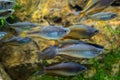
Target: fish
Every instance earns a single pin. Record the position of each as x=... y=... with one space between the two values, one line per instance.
x=26 y=25
x=45 y=32
x=25 y=40
x=48 y=53
x=50 y=32
x=71 y=41
x=18 y=39
x=2 y=35
x=103 y=16
x=7 y=4
x=116 y=3
x=81 y=31
x=64 y=69
x=72 y=48
x=95 y=6
x=6 y=13
x=81 y=50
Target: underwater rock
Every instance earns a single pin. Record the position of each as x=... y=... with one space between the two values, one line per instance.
x=28 y=69
x=3 y=73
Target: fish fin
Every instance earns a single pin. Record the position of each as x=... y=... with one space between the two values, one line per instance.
x=48 y=53
x=38 y=73
x=81 y=14
x=23 y=40
x=10 y=40
x=41 y=72
x=63 y=46
x=20 y=32
x=14 y=38
x=96 y=45
x=7 y=23
x=77 y=13
x=39 y=55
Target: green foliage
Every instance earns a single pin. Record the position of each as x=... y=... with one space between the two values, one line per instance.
x=2 y=23
x=108 y=27
x=17 y=6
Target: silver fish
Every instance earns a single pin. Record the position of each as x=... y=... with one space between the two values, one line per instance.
x=24 y=24
x=65 y=69
x=2 y=35
x=71 y=42
x=116 y=3
x=24 y=40
x=95 y=6
x=103 y=16
x=6 y=13
x=18 y=39
x=74 y=48
x=7 y=4
x=81 y=50
x=51 y=32
x=81 y=31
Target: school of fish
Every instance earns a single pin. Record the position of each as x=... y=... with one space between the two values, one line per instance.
x=69 y=43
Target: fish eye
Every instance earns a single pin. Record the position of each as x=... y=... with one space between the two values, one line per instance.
x=8 y=2
x=65 y=30
x=98 y=51
x=92 y=26
x=9 y=11
x=96 y=31
x=114 y=15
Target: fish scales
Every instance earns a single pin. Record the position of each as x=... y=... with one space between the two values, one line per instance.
x=65 y=69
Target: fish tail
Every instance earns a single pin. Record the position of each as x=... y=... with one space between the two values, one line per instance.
x=6 y=23
x=39 y=56
x=20 y=32
x=81 y=14
x=41 y=72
